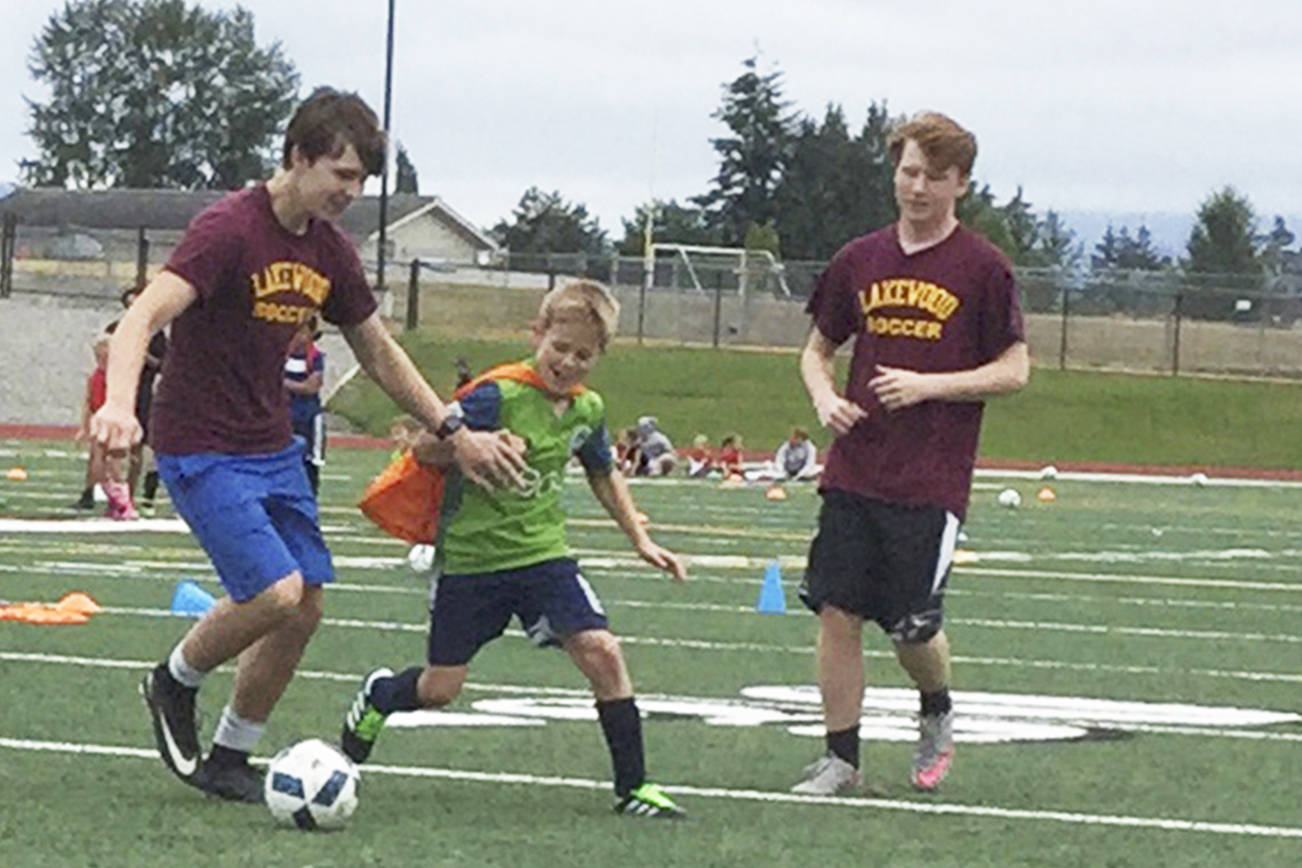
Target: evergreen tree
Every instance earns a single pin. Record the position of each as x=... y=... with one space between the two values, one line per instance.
x=1223 y=238
x=1117 y=250
x=977 y=210
x=406 y=181
x=546 y=223
x=753 y=157
x=155 y=93
x=671 y=223
x=834 y=188
x=1057 y=245
x=1023 y=228
x=1275 y=244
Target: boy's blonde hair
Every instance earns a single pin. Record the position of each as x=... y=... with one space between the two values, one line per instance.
x=580 y=299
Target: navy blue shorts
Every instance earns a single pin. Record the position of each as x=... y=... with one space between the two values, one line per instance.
x=886 y=562
x=551 y=599
x=254 y=515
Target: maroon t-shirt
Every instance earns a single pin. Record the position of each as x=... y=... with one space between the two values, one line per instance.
x=950 y=307
x=221 y=388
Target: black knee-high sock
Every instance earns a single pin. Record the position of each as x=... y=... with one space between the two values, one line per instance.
x=397 y=693
x=151 y=486
x=844 y=743
x=935 y=703
x=622 y=725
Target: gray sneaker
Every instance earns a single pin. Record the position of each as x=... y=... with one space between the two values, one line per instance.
x=829 y=775
x=935 y=751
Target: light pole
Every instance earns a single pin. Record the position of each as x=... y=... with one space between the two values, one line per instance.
x=384 y=173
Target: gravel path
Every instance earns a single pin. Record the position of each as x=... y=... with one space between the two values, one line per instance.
x=45 y=357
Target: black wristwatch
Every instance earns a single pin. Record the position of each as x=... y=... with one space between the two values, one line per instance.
x=450 y=425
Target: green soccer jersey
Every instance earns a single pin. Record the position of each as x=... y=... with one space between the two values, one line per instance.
x=482 y=531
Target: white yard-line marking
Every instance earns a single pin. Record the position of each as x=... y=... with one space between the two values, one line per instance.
x=805 y=649
x=744 y=795
x=1228 y=605
x=1135 y=478
x=1236 y=584
x=874 y=694
x=1095 y=629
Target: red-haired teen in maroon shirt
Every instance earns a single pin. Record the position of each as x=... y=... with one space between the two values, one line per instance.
x=932 y=310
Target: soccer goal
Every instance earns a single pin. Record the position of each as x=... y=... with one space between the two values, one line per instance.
x=704 y=268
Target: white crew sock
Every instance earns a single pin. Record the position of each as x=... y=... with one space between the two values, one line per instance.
x=181 y=670
x=236 y=733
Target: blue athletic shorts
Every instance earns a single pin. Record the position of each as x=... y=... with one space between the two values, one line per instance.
x=551 y=599
x=254 y=515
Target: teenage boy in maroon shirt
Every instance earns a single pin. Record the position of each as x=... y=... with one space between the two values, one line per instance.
x=251 y=269
x=933 y=311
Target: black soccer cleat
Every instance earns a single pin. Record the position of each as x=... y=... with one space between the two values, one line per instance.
x=234 y=782
x=363 y=721
x=171 y=706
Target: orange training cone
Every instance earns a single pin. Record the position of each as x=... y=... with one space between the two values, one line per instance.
x=17 y=474
x=79 y=602
x=1046 y=495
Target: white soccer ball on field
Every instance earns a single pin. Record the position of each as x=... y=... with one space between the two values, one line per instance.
x=1010 y=498
x=1048 y=472
x=312 y=785
x=421 y=557
x=1198 y=479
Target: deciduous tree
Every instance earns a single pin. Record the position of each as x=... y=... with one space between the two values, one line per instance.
x=155 y=93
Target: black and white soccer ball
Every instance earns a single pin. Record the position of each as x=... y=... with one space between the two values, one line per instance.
x=312 y=785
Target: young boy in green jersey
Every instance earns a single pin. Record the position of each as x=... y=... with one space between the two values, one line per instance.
x=503 y=553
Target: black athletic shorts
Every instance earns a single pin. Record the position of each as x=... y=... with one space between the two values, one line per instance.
x=551 y=599
x=886 y=562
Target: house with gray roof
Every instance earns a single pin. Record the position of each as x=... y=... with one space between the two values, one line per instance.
x=105 y=226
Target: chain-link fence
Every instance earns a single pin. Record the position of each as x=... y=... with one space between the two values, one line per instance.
x=1124 y=320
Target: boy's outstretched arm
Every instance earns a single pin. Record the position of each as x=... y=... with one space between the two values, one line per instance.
x=484 y=458
x=612 y=492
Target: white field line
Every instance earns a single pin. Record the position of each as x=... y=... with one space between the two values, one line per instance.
x=600 y=561
x=745 y=795
x=1136 y=479
x=598 y=565
x=1039 y=626
x=1226 y=605
x=133 y=568
x=573 y=692
x=807 y=649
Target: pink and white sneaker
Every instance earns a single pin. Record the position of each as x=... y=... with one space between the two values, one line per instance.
x=935 y=751
x=120 y=507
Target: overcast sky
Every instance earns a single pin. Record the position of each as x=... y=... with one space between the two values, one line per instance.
x=1111 y=105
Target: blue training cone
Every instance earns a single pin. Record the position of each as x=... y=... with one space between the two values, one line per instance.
x=191 y=600
x=772 y=600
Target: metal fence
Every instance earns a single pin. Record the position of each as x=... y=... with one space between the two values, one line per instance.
x=1243 y=325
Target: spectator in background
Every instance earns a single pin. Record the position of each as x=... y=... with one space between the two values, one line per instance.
x=729 y=457
x=304 y=377
x=464 y=374
x=656 y=455
x=700 y=458
x=142 y=455
x=92 y=400
x=102 y=468
x=796 y=458
x=626 y=452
